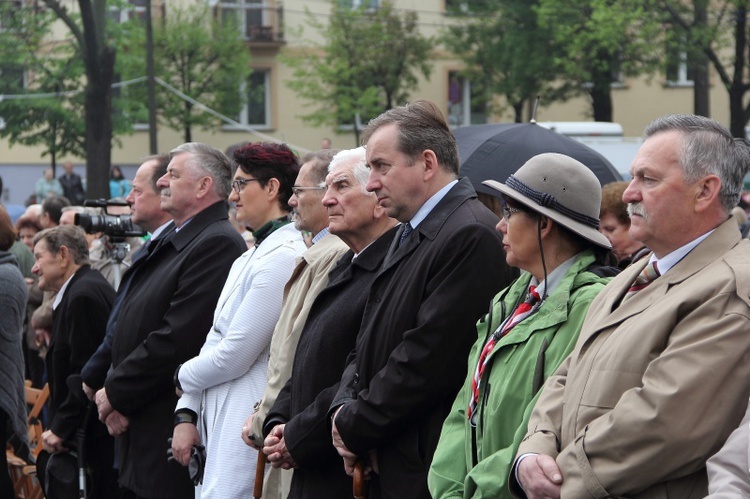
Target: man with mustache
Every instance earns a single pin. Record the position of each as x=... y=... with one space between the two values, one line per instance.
x=658 y=378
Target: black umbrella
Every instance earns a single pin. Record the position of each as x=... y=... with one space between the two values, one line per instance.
x=495 y=151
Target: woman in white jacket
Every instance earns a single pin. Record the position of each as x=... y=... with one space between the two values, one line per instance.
x=221 y=383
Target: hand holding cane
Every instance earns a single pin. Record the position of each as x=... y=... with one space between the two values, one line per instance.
x=358 y=480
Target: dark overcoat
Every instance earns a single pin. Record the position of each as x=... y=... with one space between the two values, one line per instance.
x=417 y=330
x=79 y=323
x=163 y=321
x=326 y=340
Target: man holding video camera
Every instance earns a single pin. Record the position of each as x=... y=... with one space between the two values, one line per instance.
x=163 y=320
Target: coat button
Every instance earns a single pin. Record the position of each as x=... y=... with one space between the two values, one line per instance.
x=356 y=378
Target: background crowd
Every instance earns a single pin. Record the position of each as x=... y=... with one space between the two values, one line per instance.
x=362 y=311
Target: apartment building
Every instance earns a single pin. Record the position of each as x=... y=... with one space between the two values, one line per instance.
x=272 y=27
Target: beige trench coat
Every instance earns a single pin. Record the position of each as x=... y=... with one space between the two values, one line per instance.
x=655 y=386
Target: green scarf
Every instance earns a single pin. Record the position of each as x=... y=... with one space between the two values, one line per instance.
x=269 y=228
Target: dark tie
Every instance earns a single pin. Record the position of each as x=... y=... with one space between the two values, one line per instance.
x=520 y=313
x=649 y=273
x=405 y=233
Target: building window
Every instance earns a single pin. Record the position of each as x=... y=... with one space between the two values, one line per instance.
x=250 y=15
x=256 y=112
x=135 y=9
x=355 y=4
x=679 y=70
x=467 y=104
x=466 y=7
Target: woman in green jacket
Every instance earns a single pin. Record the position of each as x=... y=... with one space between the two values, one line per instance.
x=549 y=227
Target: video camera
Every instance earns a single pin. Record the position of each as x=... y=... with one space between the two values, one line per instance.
x=116 y=227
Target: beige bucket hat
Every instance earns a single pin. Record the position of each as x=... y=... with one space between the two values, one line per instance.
x=561 y=188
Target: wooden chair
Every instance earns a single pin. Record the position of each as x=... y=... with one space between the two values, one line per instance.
x=22 y=473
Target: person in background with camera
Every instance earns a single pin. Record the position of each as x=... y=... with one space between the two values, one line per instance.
x=145 y=205
x=81 y=308
x=164 y=316
x=109 y=249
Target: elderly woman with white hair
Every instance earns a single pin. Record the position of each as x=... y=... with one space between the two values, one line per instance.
x=549 y=228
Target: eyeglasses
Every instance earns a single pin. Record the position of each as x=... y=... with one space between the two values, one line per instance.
x=239 y=184
x=509 y=210
x=298 y=189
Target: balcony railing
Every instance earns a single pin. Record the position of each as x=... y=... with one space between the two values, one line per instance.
x=261 y=22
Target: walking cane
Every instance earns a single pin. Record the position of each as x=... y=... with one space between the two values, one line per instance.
x=260 y=469
x=358 y=480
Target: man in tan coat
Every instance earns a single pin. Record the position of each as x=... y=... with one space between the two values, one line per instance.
x=309 y=277
x=658 y=378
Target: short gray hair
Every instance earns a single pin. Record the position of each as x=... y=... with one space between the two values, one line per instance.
x=70 y=236
x=320 y=161
x=358 y=161
x=211 y=161
x=708 y=148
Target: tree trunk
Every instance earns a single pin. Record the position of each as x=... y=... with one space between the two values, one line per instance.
x=187 y=132
x=699 y=61
x=98 y=98
x=737 y=117
x=601 y=95
x=99 y=61
x=518 y=111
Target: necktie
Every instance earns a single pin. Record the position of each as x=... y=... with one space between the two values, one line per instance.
x=405 y=233
x=649 y=273
x=520 y=313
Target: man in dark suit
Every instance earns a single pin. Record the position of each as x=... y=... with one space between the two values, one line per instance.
x=80 y=311
x=145 y=206
x=445 y=264
x=164 y=317
x=72 y=185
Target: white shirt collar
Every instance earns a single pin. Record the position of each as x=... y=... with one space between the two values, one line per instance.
x=428 y=206
x=671 y=259
x=61 y=293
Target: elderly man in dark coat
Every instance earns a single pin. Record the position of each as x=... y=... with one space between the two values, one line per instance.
x=80 y=312
x=299 y=435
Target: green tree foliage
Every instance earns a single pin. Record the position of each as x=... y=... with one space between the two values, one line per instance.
x=203 y=58
x=52 y=122
x=504 y=49
x=722 y=38
x=66 y=80
x=602 y=41
x=369 y=62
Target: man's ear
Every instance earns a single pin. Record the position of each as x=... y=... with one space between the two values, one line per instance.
x=707 y=190
x=205 y=184
x=431 y=165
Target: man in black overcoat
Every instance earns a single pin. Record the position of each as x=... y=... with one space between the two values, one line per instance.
x=445 y=264
x=164 y=317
